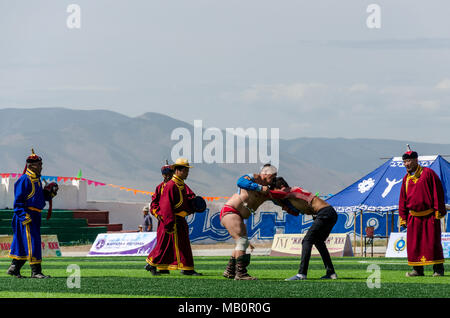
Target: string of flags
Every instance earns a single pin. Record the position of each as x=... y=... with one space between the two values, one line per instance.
x=95 y=184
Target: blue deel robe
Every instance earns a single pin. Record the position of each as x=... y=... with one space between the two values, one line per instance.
x=29 y=200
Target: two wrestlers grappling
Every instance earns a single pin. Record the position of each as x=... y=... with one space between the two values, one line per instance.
x=255 y=189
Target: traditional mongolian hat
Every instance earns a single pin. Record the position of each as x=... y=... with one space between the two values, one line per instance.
x=181 y=162
x=409 y=154
x=166 y=169
x=33 y=158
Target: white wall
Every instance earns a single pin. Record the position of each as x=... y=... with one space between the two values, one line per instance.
x=71 y=195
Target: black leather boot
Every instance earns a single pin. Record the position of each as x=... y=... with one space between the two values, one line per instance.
x=152 y=270
x=417 y=271
x=36 y=271
x=14 y=268
x=438 y=270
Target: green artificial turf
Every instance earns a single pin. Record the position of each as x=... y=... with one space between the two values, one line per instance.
x=116 y=277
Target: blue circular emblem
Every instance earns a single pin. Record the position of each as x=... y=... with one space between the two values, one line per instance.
x=400 y=244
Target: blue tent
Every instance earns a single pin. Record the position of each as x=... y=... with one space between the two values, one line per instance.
x=379 y=191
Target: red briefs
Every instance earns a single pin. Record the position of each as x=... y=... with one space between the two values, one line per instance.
x=228 y=209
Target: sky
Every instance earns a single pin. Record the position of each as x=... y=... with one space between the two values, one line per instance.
x=309 y=68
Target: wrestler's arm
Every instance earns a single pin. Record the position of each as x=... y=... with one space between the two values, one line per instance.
x=287 y=206
x=247 y=182
x=22 y=189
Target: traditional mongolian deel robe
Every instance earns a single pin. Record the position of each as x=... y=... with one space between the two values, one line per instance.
x=29 y=200
x=173 y=247
x=421 y=206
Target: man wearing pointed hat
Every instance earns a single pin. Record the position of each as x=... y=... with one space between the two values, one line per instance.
x=173 y=247
x=167 y=174
x=421 y=206
x=29 y=200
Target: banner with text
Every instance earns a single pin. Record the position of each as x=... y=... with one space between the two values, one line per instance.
x=123 y=244
x=291 y=245
x=49 y=244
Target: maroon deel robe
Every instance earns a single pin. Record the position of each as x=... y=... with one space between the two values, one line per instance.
x=173 y=247
x=421 y=206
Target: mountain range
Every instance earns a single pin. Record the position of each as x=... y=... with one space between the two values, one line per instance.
x=128 y=151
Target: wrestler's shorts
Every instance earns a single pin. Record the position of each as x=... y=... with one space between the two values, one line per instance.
x=227 y=210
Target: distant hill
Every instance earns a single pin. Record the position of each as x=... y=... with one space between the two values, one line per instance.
x=129 y=151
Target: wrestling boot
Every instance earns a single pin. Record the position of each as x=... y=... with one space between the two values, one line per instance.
x=230 y=271
x=417 y=271
x=152 y=270
x=36 y=271
x=14 y=268
x=241 y=268
x=438 y=270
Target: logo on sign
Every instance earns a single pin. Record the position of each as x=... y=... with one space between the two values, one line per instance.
x=100 y=244
x=399 y=245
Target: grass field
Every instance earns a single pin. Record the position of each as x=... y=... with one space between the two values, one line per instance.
x=117 y=277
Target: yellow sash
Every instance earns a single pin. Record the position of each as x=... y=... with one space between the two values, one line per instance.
x=421 y=213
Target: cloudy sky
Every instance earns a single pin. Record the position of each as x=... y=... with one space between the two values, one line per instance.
x=309 y=68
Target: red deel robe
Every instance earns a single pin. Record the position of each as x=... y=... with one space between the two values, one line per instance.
x=421 y=206
x=173 y=247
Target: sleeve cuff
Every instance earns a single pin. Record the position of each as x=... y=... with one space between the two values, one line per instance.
x=438 y=215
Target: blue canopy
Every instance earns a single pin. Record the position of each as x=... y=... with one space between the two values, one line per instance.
x=380 y=189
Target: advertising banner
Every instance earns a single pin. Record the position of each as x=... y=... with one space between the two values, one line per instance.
x=446 y=244
x=291 y=245
x=397 y=245
x=49 y=244
x=123 y=244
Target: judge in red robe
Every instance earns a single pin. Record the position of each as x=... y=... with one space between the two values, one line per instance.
x=421 y=206
x=173 y=247
x=167 y=174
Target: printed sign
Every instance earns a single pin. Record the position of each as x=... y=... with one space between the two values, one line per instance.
x=397 y=245
x=446 y=244
x=291 y=245
x=49 y=244
x=123 y=244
